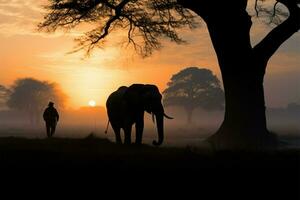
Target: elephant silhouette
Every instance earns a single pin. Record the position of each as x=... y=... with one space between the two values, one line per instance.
x=126 y=107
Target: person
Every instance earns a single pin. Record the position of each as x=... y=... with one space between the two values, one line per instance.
x=51 y=118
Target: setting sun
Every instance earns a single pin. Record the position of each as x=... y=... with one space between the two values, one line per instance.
x=92 y=103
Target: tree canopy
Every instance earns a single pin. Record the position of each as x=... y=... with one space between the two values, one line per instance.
x=145 y=21
x=194 y=87
x=32 y=96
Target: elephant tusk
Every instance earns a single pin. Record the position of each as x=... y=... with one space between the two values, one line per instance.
x=153 y=118
x=168 y=117
x=106 y=130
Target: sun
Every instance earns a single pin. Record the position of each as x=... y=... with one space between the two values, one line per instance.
x=92 y=103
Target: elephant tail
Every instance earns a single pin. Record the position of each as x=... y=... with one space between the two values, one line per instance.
x=106 y=130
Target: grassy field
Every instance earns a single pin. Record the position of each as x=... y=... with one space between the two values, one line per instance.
x=102 y=153
x=80 y=160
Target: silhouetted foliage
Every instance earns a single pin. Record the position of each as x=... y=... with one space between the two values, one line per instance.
x=192 y=88
x=242 y=64
x=146 y=21
x=4 y=94
x=32 y=96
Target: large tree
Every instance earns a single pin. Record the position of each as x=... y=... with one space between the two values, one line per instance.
x=192 y=88
x=31 y=96
x=242 y=65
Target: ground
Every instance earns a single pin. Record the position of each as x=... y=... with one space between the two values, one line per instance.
x=97 y=152
x=196 y=166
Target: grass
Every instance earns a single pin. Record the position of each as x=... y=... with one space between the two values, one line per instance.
x=101 y=153
x=77 y=161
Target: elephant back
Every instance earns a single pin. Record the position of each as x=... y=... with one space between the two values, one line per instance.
x=137 y=95
x=114 y=103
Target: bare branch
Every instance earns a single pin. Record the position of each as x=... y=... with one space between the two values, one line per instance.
x=269 y=45
x=145 y=21
x=274 y=14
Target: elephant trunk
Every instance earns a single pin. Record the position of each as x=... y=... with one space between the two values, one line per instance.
x=160 y=129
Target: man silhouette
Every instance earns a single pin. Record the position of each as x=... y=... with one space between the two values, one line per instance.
x=51 y=118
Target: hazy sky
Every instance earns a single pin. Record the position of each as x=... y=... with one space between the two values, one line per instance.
x=26 y=53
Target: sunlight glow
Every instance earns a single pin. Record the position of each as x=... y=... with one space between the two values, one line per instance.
x=92 y=103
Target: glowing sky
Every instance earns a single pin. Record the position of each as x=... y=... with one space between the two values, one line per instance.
x=24 y=52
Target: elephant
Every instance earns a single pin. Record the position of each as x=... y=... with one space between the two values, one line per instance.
x=126 y=107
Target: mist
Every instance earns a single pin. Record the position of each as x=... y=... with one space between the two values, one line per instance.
x=87 y=121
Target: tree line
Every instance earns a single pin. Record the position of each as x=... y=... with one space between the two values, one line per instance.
x=190 y=88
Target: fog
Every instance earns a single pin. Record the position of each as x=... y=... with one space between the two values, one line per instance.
x=85 y=121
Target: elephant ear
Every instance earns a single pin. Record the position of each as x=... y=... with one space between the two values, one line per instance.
x=147 y=98
x=151 y=92
x=140 y=97
x=150 y=95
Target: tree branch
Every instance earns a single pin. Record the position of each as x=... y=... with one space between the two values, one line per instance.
x=146 y=21
x=270 y=44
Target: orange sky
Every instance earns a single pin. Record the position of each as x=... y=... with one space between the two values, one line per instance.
x=26 y=53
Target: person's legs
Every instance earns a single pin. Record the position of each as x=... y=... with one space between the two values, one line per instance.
x=48 y=129
x=53 y=128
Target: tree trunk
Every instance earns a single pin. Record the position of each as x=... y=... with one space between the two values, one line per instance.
x=244 y=124
x=243 y=68
x=189 y=113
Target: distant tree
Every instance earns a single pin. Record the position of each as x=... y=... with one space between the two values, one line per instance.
x=192 y=88
x=4 y=94
x=32 y=96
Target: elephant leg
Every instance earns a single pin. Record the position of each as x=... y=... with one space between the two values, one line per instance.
x=127 y=132
x=139 y=128
x=117 y=131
